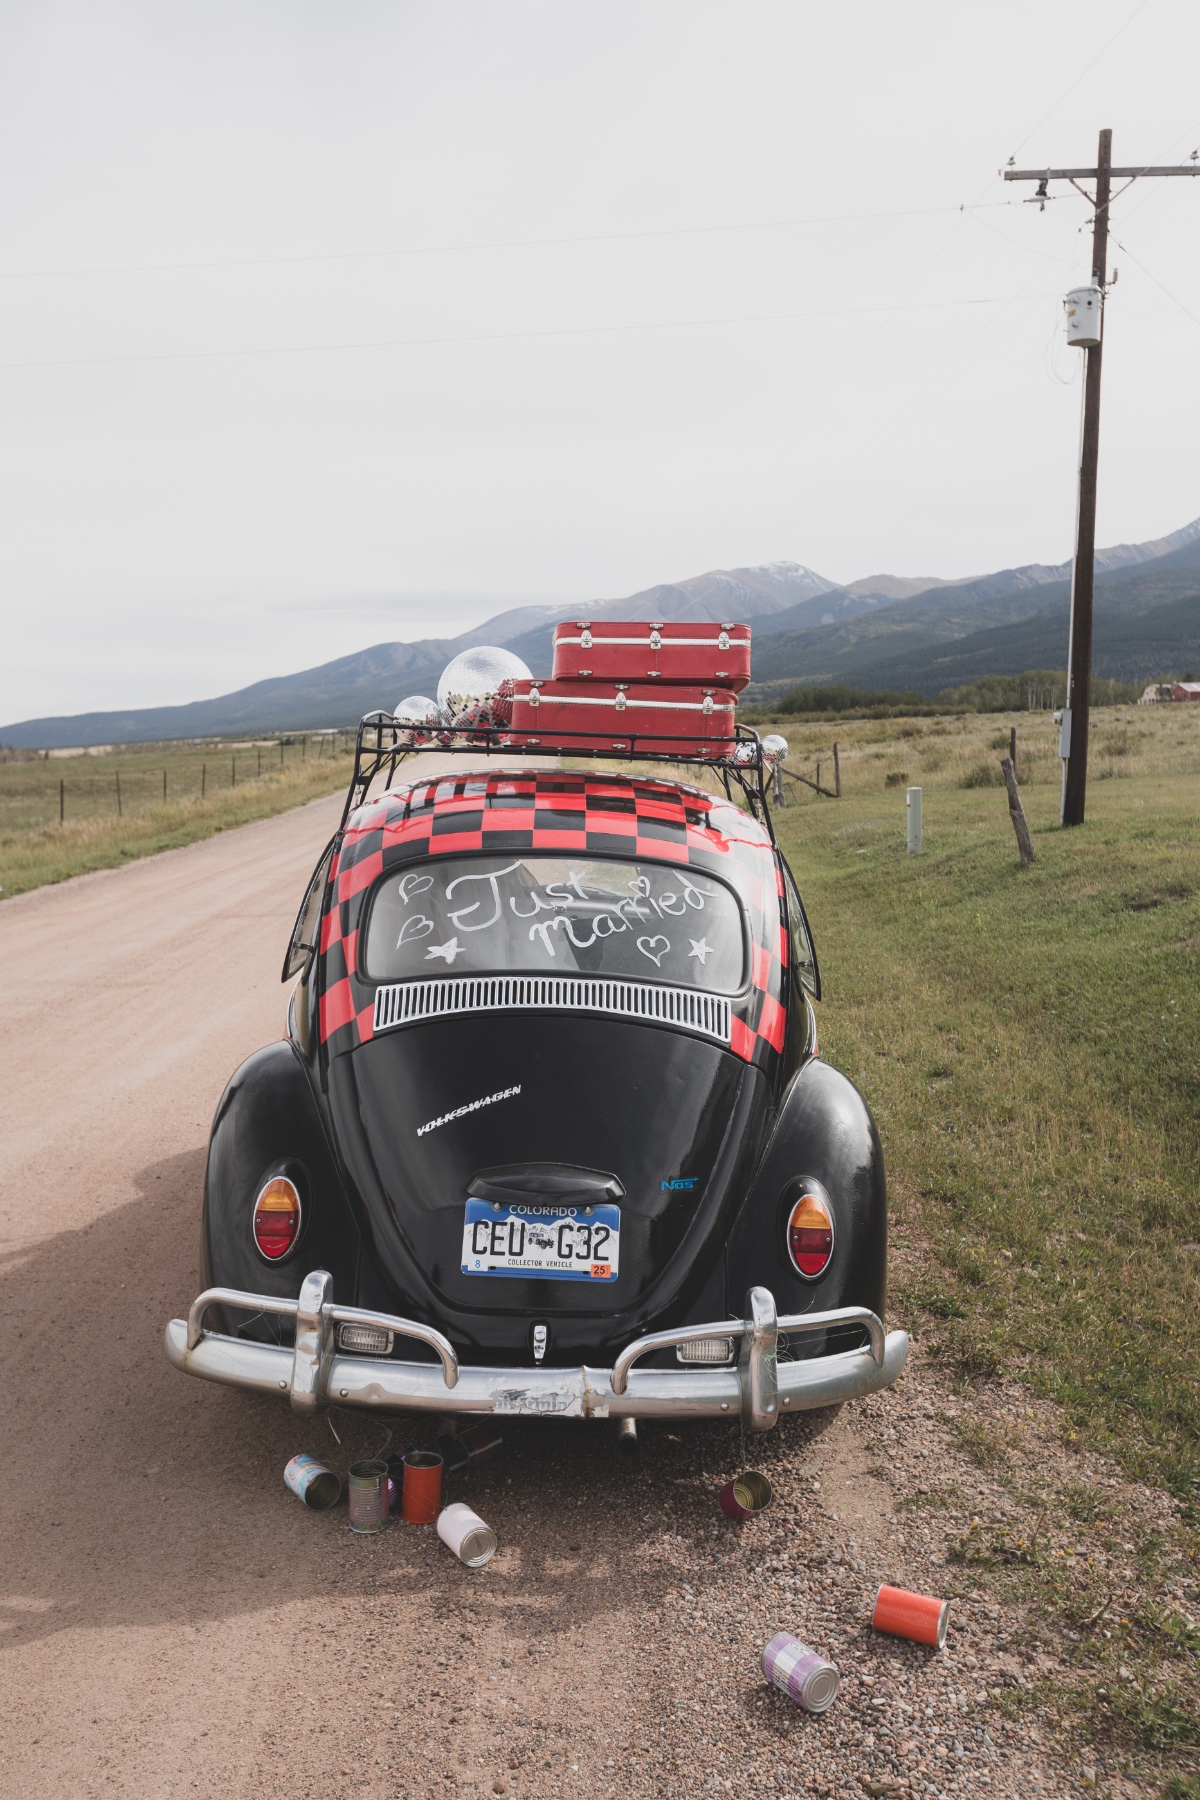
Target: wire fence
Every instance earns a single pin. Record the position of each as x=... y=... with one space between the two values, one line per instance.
x=41 y=788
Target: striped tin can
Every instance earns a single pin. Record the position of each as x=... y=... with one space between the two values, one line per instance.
x=312 y=1482
x=800 y=1673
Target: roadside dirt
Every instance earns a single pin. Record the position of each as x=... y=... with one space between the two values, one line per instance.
x=175 y=1623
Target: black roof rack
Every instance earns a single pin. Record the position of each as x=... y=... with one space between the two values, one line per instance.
x=384 y=742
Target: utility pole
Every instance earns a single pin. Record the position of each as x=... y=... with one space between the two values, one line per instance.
x=1077 y=711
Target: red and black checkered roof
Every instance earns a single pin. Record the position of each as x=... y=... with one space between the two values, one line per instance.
x=586 y=813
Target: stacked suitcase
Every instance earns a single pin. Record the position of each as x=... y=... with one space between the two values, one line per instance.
x=665 y=689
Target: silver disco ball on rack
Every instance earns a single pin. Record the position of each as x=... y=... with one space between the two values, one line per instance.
x=421 y=715
x=472 y=684
x=774 y=747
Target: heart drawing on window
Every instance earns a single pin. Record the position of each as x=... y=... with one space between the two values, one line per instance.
x=415 y=927
x=646 y=946
x=413 y=884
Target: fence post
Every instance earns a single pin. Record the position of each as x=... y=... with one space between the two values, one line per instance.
x=164 y=787
x=303 y=748
x=62 y=800
x=912 y=804
x=281 y=753
x=260 y=759
x=118 y=793
x=837 y=774
x=1016 y=813
x=777 y=785
x=1012 y=747
x=203 y=774
x=233 y=772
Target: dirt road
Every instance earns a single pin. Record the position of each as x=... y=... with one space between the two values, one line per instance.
x=175 y=1623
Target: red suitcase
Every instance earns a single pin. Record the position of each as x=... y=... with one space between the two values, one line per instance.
x=678 y=652
x=688 y=722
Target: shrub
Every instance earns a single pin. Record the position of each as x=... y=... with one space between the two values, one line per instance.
x=983 y=774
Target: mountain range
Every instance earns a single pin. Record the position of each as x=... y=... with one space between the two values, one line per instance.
x=884 y=631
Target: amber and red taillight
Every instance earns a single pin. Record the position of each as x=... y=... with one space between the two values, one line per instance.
x=810 y=1234
x=277 y=1218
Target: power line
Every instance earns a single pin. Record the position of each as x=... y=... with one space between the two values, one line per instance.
x=495 y=337
x=1126 y=251
x=610 y=237
x=1067 y=92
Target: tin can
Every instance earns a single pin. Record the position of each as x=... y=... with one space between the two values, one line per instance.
x=464 y=1532
x=368 y=1496
x=483 y=1443
x=395 y=1481
x=312 y=1482
x=918 y=1617
x=800 y=1673
x=421 y=1495
x=747 y=1494
x=453 y=1451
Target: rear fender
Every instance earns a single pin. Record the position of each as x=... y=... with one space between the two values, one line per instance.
x=267 y=1124
x=825 y=1133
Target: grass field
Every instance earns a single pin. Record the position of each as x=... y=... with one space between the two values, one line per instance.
x=1030 y=1044
x=208 y=787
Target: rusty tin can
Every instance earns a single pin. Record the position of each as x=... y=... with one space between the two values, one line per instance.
x=483 y=1443
x=312 y=1482
x=919 y=1617
x=421 y=1495
x=747 y=1494
x=368 y=1496
x=800 y=1673
x=453 y=1452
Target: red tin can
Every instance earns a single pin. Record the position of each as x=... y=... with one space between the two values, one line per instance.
x=421 y=1498
x=747 y=1494
x=657 y=650
x=918 y=1617
x=688 y=722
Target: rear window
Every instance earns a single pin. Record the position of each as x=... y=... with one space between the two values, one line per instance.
x=556 y=914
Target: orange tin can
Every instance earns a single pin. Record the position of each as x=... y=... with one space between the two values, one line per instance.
x=918 y=1617
x=421 y=1496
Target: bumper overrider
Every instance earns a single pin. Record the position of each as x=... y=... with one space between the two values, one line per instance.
x=315 y=1373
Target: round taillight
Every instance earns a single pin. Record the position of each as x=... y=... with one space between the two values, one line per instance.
x=810 y=1234
x=277 y=1218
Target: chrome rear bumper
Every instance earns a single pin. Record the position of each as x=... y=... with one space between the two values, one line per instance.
x=315 y=1373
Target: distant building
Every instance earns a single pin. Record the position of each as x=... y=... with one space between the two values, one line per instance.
x=1158 y=690
x=1186 y=690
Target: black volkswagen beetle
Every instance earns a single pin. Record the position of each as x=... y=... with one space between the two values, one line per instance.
x=549 y=1132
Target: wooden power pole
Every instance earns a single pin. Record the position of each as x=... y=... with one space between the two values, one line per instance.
x=1077 y=711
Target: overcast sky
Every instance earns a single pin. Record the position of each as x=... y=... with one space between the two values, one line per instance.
x=325 y=325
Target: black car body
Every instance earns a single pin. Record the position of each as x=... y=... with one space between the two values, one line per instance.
x=549 y=1106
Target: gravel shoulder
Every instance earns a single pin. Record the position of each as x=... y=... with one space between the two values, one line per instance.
x=172 y=1622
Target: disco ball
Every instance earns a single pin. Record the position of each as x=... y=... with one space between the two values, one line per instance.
x=417 y=709
x=420 y=714
x=745 y=752
x=775 y=748
x=473 y=680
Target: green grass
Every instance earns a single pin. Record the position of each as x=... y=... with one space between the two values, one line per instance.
x=210 y=787
x=1030 y=1045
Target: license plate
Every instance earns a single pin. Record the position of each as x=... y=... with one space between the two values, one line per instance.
x=557 y=1243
